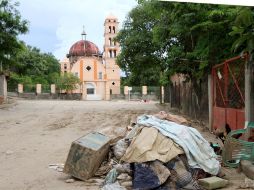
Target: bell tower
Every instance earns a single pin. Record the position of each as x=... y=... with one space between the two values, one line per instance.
x=111 y=50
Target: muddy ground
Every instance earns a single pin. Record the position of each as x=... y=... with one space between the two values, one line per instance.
x=34 y=134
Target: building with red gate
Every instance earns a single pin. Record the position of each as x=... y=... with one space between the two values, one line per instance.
x=228 y=98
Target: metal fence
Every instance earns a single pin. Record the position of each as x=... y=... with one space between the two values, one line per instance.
x=29 y=88
x=12 y=87
x=45 y=88
x=153 y=90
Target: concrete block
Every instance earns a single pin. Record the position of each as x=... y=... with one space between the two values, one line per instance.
x=53 y=88
x=86 y=155
x=20 y=88
x=247 y=168
x=38 y=88
x=213 y=182
x=144 y=90
x=126 y=92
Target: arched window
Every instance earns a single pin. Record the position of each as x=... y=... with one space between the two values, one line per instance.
x=114 y=30
x=110 y=53
x=110 y=41
x=109 y=29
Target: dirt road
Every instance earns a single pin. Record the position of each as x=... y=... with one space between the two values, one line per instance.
x=34 y=134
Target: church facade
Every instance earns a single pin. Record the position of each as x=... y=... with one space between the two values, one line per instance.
x=98 y=72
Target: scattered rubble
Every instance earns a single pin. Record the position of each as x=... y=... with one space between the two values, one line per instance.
x=9 y=152
x=157 y=151
x=213 y=182
x=248 y=184
x=71 y=180
x=57 y=167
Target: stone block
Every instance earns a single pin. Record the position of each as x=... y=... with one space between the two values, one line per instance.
x=86 y=155
x=247 y=168
x=213 y=182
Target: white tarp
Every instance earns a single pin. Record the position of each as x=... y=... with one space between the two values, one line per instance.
x=198 y=151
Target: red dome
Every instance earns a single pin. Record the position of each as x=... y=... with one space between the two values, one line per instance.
x=78 y=49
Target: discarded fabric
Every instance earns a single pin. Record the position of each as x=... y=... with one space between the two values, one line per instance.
x=113 y=186
x=196 y=148
x=170 y=117
x=156 y=147
x=149 y=175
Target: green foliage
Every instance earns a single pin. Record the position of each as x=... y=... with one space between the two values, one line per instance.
x=140 y=57
x=34 y=63
x=68 y=82
x=11 y=25
x=160 y=39
x=243 y=29
x=30 y=67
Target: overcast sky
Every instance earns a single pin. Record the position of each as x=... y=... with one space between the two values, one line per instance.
x=54 y=25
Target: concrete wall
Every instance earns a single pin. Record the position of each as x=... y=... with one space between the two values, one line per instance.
x=134 y=97
x=46 y=96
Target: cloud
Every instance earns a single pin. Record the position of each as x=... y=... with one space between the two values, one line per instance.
x=64 y=19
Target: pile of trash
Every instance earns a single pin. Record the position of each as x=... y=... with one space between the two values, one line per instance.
x=157 y=152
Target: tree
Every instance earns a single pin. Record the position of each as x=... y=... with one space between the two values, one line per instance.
x=139 y=57
x=243 y=29
x=11 y=25
x=34 y=66
x=196 y=38
x=68 y=82
x=183 y=38
x=31 y=61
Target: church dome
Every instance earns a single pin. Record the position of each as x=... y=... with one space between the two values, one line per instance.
x=83 y=48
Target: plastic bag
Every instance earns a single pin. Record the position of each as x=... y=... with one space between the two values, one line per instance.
x=120 y=148
x=113 y=186
x=111 y=176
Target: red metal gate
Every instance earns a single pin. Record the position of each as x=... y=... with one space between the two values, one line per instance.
x=228 y=93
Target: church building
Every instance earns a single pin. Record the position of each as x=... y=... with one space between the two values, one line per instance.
x=98 y=72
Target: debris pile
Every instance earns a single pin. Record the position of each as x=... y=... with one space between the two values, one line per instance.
x=157 y=152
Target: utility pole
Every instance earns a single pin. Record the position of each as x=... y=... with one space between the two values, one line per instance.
x=249 y=96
